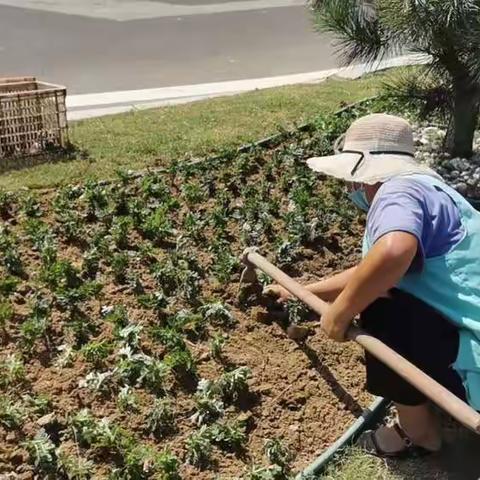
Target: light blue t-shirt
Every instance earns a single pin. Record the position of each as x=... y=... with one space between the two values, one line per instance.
x=405 y=204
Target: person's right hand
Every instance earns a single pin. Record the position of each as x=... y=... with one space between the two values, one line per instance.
x=281 y=294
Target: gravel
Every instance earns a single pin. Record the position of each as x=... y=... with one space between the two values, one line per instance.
x=461 y=173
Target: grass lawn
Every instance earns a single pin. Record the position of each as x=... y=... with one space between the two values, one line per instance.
x=153 y=137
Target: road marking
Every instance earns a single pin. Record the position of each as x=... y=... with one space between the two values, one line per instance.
x=108 y=103
x=126 y=10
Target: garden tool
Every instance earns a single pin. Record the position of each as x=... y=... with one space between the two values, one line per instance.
x=437 y=393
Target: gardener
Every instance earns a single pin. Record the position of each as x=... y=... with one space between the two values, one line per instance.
x=418 y=286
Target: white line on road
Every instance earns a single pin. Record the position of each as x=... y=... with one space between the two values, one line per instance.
x=108 y=103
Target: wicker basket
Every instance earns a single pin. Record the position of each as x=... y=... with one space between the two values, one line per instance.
x=33 y=117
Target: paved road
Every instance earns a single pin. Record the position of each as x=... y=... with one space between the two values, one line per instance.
x=108 y=45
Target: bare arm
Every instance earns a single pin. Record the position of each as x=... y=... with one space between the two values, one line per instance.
x=330 y=288
x=386 y=263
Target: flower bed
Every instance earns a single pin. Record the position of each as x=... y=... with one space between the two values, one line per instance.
x=129 y=349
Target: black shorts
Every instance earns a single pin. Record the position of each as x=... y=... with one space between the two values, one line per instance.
x=421 y=335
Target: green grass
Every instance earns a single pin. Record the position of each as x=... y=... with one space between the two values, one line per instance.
x=357 y=465
x=150 y=138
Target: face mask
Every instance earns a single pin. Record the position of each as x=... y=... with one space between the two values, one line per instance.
x=359 y=198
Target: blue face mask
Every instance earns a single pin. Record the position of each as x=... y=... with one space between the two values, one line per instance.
x=359 y=198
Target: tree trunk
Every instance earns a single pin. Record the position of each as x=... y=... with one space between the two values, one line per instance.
x=464 y=120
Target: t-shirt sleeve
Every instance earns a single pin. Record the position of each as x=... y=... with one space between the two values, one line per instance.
x=397 y=207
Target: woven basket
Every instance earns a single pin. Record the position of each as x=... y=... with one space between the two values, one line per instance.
x=33 y=117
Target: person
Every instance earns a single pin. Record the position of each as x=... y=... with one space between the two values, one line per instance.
x=417 y=287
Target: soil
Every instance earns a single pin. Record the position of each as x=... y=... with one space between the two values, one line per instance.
x=306 y=393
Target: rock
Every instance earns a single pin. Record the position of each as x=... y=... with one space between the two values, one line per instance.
x=461 y=188
x=46 y=419
x=296 y=332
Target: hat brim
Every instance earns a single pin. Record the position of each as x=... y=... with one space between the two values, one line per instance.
x=372 y=169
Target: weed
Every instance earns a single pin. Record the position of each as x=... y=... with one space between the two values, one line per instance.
x=216 y=346
x=278 y=454
x=12 y=371
x=155 y=301
x=36 y=325
x=12 y=415
x=229 y=436
x=169 y=337
x=97 y=352
x=117 y=315
x=119 y=264
x=120 y=231
x=91 y=262
x=30 y=207
x=156 y=226
x=181 y=362
x=8 y=285
x=74 y=467
x=39 y=404
x=42 y=452
x=6 y=313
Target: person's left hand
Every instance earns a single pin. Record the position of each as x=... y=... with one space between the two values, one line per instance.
x=335 y=326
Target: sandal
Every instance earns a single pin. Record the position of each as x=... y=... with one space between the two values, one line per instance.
x=368 y=441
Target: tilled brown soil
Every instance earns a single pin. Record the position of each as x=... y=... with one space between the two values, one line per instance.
x=303 y=393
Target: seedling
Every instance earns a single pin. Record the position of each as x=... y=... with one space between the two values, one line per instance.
x=98 y=382
x=7 y=204
x=127 y=399
x=130 y=335
x=117 y=315
x=161 y=418
x=217 y=314
x=232 y=384
x=208 y=407
x=199 y=448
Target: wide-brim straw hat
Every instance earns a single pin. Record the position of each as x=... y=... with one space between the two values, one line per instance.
x=376 y=148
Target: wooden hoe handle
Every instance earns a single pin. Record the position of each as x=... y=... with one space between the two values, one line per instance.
x=438 y=394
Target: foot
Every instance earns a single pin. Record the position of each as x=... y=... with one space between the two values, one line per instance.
x=393 y=440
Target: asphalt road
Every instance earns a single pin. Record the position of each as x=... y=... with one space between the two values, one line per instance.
x=108 y=45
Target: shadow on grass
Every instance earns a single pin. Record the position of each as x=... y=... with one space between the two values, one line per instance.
x=51 y=155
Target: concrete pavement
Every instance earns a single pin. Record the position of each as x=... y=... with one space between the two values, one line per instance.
x=102 y=54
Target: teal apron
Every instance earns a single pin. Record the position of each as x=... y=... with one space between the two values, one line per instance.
x=450 y=283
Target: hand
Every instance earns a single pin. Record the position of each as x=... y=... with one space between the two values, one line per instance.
x=281 y=294
x=335 y=327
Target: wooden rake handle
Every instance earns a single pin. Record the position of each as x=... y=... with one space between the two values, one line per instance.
x=438 y=394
